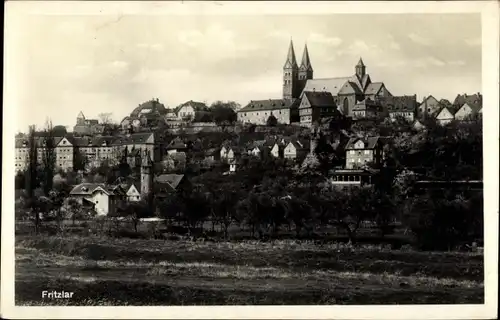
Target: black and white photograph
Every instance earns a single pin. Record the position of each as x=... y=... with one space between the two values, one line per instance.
x=197 y=154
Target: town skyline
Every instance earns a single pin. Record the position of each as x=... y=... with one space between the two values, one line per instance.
x=114 y=70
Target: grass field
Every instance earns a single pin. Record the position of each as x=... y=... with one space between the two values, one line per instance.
x=107 y=271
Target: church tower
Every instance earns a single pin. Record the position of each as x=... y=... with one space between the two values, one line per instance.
x=146 y=175
x=305 y=70
x=290 y=75
x=360 y=69
x=80 y=119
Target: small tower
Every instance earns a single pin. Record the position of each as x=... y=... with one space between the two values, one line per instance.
x=80 y=119
x=360 y=69
x=305 y=70
x=290 y=75
x=146 y=175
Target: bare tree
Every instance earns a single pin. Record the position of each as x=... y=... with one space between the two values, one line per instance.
x=105 y=117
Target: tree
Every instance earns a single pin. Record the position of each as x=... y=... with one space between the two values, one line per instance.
x=48 y=158
x=272 y=121
x=59 y=131
x=135 y=211
x=196 y=209
x=224 y=113
x=32 y=176
x=105 y=117
x=224 y=202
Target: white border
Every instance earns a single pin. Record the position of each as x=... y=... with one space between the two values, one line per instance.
x=490 y=82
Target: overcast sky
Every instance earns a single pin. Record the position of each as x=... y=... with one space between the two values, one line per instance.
x=111 y=64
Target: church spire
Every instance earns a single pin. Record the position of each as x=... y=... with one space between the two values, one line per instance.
x=360 y=69
x=360 y=63
x=306 y=62
x=291 y=62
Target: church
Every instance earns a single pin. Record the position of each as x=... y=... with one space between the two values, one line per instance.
x=346 y=92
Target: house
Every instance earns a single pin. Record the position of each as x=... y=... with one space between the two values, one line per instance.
x=351 y=177
x=401 y=107
x=361 y=151
x=429 y=107
x=143 y=141
x=366 y=109
x=176 y=145
x=295 y=150
x=417 y=125
x=468 y=112
x=189 y=110
x=468 y=106
x=165 y=184
x=148 y=114
x=132 y=192
x=315 y=106
x=103 y=199
x=258 y=111
x=228 y=153
x=445 y=116
x=63 y=152
x=85 y=127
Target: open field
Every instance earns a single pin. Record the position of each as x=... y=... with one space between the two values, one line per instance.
x=107 y=271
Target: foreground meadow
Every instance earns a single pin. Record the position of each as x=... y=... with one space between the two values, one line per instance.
x=107 y=271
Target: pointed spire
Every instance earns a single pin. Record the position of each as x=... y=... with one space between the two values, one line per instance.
x=360 y=63
x=306 y=62
x=80 y=115
x=290 y=58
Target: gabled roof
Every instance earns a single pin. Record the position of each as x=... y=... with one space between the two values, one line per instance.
x=365 y=105
x=299 y=145
x=474 y=107
x=400 y=103
x=332 y=85
x=350 y=87
x=89 y=188
x=374 y=87
x=152 y=106
x=177 y=143
x=370 y=142
x=474 y=100
x=444 y=109
x=197 y=106
x=172 y=180
x=360 y=63
x=320 y=99
x=269 y=104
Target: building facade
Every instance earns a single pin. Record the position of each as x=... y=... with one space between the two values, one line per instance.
x=360 y=152
x=315 y=106
x=259 y=111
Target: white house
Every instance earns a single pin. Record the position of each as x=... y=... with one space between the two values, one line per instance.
x=189 y=109
x=468 y=111
x=445 y=116
x=98 y=197
x=133 y=193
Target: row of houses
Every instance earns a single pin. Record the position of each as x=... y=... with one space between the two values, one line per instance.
x=90 y=150
x=313 y=106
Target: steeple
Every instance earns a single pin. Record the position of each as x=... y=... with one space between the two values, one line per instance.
x=360 y=69
x=291 y=62
x=146 y=175
x=306 y=63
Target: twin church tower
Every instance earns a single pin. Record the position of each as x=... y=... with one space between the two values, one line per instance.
x=294 y=76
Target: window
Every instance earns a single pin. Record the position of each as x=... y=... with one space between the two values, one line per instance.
x=352 y=152
x=367 y=151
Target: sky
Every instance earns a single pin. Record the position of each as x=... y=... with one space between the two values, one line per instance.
x=67 y=64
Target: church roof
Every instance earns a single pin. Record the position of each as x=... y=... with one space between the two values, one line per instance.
x=269 y=104
x=360 y=63
x=320 y=99
x=332 y=85
x=306 y=62
x=350 y=88
x=374 y=87
x=290 y=62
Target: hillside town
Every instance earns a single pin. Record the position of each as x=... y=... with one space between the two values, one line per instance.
x=334 y=126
